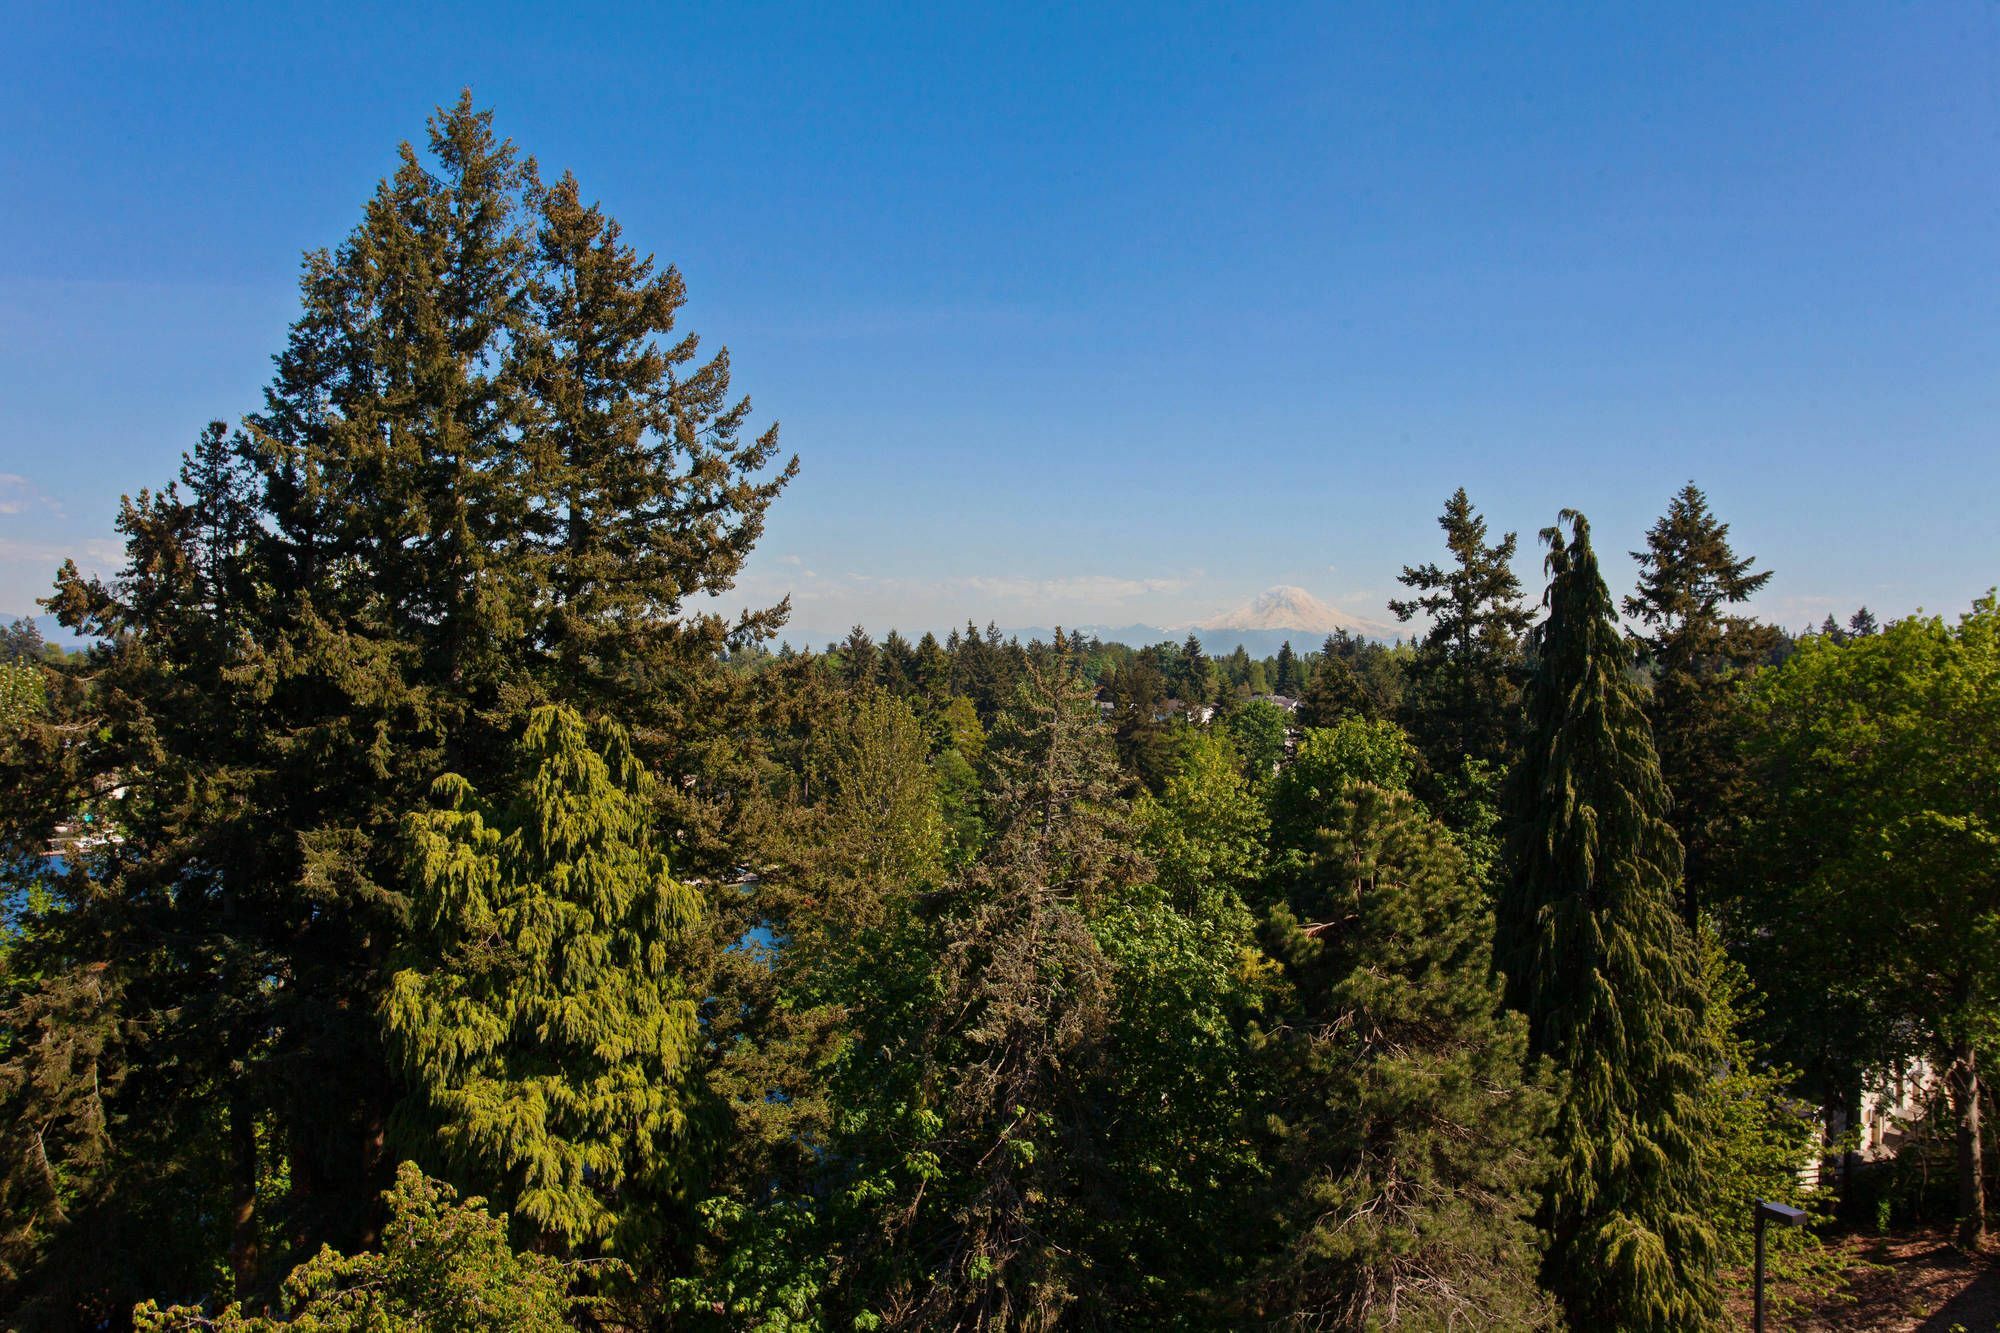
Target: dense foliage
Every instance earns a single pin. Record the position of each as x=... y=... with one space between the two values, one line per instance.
x=416 y=823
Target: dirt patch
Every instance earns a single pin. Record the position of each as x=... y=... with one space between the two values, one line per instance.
x=1911 y=1283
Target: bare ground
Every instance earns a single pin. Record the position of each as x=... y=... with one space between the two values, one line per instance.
x=1910 y=1283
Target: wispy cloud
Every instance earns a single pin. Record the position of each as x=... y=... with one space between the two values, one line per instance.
x=18 y=495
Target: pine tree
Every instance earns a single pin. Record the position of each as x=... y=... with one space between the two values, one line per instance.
x=1287 y=682
x=1697 y=652
x=1409 y=1154
x=1145 y=742
x=543 y=1020
x=1193 y=683
x=1461 y=698
x=1596 y=956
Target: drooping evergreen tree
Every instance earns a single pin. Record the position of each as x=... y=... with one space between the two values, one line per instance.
x=544 y=1024
x=1697 y=650
x=1409 y=1153
x=445 y=1263
x=1461 y=697
x=1595 y=954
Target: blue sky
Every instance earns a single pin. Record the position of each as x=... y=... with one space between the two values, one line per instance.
x=1107 y=314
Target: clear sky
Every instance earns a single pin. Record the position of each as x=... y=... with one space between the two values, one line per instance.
x=1107 y=315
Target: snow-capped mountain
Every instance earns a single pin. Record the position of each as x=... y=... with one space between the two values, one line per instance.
x=1294 y=609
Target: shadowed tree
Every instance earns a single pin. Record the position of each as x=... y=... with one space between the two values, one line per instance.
x=1697 y=650
x=1596 y=956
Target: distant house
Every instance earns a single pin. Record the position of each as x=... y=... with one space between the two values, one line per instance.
x=1173 y=710
x=1891 y=1102
x=1284 y=701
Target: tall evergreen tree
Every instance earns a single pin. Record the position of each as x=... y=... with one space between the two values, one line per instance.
x=1460 y=702
x=1596 y=956
x=1144 y=739
x=1194 y=684
x=1697 y=650
x=1026 y=1006
x=479 y=483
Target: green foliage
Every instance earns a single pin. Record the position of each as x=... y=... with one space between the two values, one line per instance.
x=1258 y=728
x=1409 y=1152
x=1879 y=819
x=1596 y=956
x=1205 y=831
x=1697 y=653
x=1328 y=760
x=1018 y=1036
x=444 y=1267
x=1756 y=1135
x=22 y=692
x=1178 y=1093
x=543 y=1022
x=1462 y=691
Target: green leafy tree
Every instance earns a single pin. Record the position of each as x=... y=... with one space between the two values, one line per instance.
x=1596 y=956
x=1462 y=697
x=544 y=1024
x=1258 y=729
x=1697 y=651
x=444 y=1267
x=1409 y=1151
x=1878 y=902
x=1205 y=831
x=1328 y=760
x=22 y=692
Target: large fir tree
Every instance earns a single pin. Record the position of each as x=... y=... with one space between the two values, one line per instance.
x=1697 y=650
x=1596 y=956
x=1461 y=694
x=481 y=481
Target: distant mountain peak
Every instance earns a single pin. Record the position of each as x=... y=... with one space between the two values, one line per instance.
x=1286 y=607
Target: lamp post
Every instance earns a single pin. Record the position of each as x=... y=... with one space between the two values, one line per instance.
x=1785 y=1217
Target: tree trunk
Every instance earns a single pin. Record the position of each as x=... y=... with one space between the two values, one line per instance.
x=244 y=1239
x=1971 y=1170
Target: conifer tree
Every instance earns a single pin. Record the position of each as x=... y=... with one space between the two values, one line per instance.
x=1287 y=681
x=1409 y=1157
x=1193 y=681
x=544 y=1023
x=483 y=478
x=1461 y=698
x=1145 y=744
x=1596 y=956
x=1025 y=1009
x=1697 y=651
